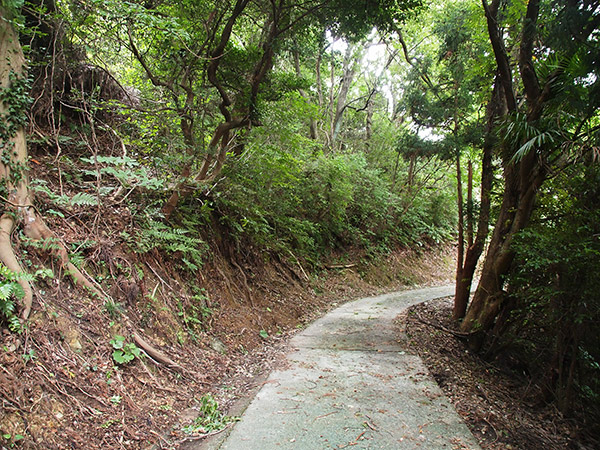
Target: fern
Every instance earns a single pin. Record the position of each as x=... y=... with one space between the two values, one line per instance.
x=180 y=241
x=10 y=292
x=127 y=171
x=79 y=199
x=83 y=199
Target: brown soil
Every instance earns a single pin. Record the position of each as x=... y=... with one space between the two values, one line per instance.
x=60 y=387
x=498 y=403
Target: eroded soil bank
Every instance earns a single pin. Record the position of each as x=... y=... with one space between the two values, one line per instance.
x=60 y=383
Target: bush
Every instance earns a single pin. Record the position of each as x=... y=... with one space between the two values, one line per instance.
x=555 y=282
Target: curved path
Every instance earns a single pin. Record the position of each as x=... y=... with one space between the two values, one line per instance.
x=350 y=384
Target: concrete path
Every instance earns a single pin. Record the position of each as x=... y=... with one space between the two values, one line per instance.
x=349 y=383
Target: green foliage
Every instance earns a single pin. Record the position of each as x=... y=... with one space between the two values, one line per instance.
x=124 y=352
x=79 y=199
x=10 y=293
x=129 y=172
x=356 y=18
x=556 y=280
x=210 y=418
x=292 y=199
x=194 y=312
x=182 y=242
x=113 y=309
x=12 y=440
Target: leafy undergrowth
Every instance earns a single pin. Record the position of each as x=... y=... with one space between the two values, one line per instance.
x=76 y=378
x=499 y=403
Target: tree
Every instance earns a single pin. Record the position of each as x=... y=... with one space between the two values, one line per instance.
x=543 y=93
x=447 y=84
x=14 y=183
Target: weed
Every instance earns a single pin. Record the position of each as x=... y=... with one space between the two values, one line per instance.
x=12 y=439
x=29 y=356
x=124 y=352
x=113 y=309
x=195 y=312
x=10 y=293
x=109 y=423
x=210 y=418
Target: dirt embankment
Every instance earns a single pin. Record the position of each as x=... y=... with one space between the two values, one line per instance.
x=74 y=378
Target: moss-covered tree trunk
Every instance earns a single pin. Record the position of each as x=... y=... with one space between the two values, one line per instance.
x=13 y=174
x=18 y=207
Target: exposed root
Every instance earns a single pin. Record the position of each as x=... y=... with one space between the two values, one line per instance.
x=340 y=266
x=36 y=229
x=458 y=334
x=245 y=280
x=8 y=258
x=227 y=284
x=154 y=353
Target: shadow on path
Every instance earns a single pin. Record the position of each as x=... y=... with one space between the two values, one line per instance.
x=349 y=383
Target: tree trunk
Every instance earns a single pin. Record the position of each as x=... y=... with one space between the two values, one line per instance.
x=474 y=250
x=18 y=206
x=522 y=178
x=522 y=182
x=461 y=225
x=469 y=203
x=348 y=71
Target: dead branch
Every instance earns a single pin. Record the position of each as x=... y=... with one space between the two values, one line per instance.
x=340 y=266
x=457 y=334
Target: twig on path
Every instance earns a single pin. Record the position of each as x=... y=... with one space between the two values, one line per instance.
x=324 y=415
x=370 y=425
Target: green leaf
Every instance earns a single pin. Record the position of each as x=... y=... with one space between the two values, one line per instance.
x=117 y=342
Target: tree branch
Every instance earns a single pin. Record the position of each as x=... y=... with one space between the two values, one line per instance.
x=528 y=75
x=505 y=73
x=217 y=55
x=153 y=78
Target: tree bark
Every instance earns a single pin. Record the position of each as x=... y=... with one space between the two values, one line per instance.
x=348 y=71
x=461 y=226
x=469 y=203
x=474 y=250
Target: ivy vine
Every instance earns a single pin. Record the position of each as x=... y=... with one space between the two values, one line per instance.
x=16 y=100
